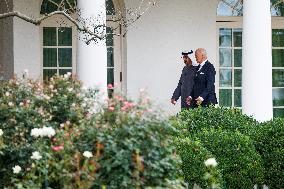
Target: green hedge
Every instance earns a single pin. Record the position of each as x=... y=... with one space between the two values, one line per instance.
x=193 y=156
x=240 y=163
x=205 y=118
x=269 y=142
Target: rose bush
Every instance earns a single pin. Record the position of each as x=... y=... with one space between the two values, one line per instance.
x=58 y=135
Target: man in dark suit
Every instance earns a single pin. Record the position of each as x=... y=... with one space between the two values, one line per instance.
x=186 y=81
x=203 y=92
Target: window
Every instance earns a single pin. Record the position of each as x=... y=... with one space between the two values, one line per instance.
x=49 y=6
x=230 y=67
x=110 y=58
x=57 y=51
x=235 y=8
x=278 y=71
x=114 y=46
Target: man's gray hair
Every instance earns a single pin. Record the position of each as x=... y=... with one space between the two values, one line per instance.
x=202 y=51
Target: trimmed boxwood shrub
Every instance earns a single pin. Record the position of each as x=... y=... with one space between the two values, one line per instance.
x=226 y=119
x=240 y=164
x=269 y=142
x=193 y=156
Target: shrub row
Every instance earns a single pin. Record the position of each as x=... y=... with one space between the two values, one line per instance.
x=247 y=152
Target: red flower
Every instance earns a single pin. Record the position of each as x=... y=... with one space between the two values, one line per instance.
x=110 y=86
x=57 y=148
x=111 y=109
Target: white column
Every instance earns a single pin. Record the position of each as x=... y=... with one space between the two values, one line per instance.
x=92 y=58
x=257 y=60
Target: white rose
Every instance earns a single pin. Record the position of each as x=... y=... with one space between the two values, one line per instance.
x=1 y=132
x=36 y=132
x=10 y=104
x=70 y=89
x=210 y=162
x=87 y=154
x=16 y=169
x=36 y=156
x=48 y=131
x=7 y=94
x=42 y=132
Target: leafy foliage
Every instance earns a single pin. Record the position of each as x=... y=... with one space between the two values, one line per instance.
x=200 y=119
x=193 y=156
x=240 y=163
x=269 y=142
x=57 y=135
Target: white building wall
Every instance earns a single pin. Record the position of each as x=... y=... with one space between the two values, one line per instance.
x=6 y=43
x=27 y=39
x=155 y=43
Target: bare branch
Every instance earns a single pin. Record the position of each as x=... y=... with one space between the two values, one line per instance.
x=93 y=31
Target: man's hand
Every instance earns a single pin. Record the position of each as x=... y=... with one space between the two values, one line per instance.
x=188 y=100
x=199 y=100
x=173 y=101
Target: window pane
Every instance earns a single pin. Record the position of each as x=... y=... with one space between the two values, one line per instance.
x=238 y=98
x=64 y=71
x=225 y=77
x=49 y=36
x=225 y=37
x=48 y=6
x=278 y=97
x=110 y=7
x=278 y=38
x=238 y=78
x=225 y=56
x=225 y=8
x=277 y=9
x=278 y=78
x=110 y=62
x=225 y=97
x=238 y=57
x=278 y=57
x=65 y=57
x=64 y=36
x=278 y=112
x=48 y=73
x=109 y=37
x=110 y=76
x=237 y=34
x=49 y=57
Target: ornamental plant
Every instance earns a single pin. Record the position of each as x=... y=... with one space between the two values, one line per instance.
x=133 y=146
x=269 y=142
x=240 y=164
x=198 y=119
x=198 y=164
x=58 y=135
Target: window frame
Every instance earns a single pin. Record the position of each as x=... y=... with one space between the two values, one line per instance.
x=234 y=22
x=54 y=22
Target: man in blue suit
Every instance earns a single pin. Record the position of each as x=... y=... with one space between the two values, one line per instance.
x=203 y=92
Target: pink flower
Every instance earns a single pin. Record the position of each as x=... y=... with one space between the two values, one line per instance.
x=57 y=148
x=111 y=108
x=129 y=104
x=120 y=98
x=123 y=109
x=110 y=86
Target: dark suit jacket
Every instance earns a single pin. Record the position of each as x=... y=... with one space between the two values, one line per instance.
x=185 y=85
x=204 y=85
